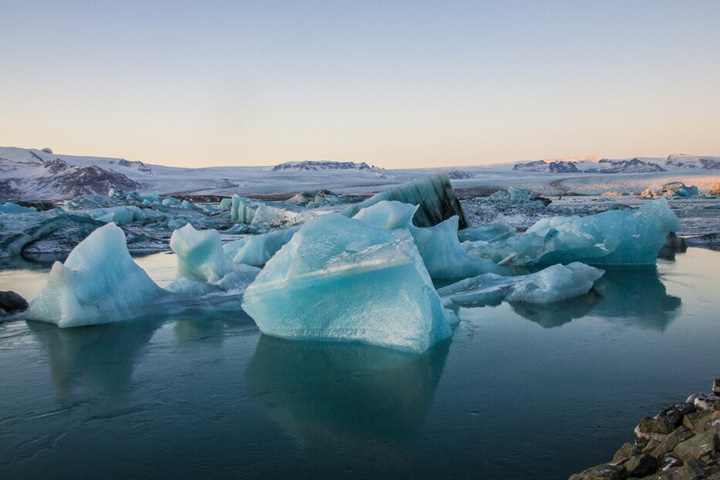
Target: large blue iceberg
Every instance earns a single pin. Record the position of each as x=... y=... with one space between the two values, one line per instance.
x=608 y=239
x=342 y=279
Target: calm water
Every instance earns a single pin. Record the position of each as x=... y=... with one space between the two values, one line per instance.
x=519 y=392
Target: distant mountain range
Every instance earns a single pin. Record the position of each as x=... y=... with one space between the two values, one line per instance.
x=312 y=165
x=44 y=175
x=633 y=165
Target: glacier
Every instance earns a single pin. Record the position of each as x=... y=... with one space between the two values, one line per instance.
x=98 y=283
x=342 y=279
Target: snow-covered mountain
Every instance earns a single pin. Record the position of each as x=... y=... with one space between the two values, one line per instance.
x=682 y=161
x=41 y=174
x=590 y=165
x=33 y=174
x=313 y=165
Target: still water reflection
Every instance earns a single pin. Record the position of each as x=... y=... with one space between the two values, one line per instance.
x=364 y=396
x=205 y=395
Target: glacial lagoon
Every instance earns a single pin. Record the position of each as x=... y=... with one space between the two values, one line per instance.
x=520 y=391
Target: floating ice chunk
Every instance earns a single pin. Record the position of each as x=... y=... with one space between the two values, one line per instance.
x=498 y=230
x=200 y=255
x=613 y=238
x=434 y=196
x=9 y=207
x=553 y=284
x=240 y=210
x=269 y=216
x=679 y=189
x=388 y=214
x=258 y=249
x=443 y=255
x=98 y=283
x=439 y=246
x=226 y=204
x=342 y=279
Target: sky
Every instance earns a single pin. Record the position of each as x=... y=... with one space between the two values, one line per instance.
x=392 y=83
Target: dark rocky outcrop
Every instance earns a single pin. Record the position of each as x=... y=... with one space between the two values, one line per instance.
x=11 y=302
x=682 y=442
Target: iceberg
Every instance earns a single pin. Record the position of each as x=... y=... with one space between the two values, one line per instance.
x=612 y=238
x=553 y=284
x=240 y=210
x=200 y=255
x=439 y=246
x=13 y=208
x=342 y=279
x=98 y=283
x=256 y=250
x=433 y=195
x=443 y=255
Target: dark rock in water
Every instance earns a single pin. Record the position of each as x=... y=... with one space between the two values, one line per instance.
x=716 y=386
x=434 y=195
x=12 y=302
x=602 y=472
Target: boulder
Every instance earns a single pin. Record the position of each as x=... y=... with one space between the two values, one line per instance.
x=12 y=302
x=699 y=446
x=641 y=465
x=602 y=472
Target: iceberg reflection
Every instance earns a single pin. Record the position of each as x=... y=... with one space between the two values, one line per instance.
x=637 y=298
x=100 y=358
x=366 y=396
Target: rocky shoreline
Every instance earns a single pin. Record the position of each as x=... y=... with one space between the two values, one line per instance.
x=682 y=442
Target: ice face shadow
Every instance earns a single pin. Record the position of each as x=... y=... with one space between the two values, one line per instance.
x=319 y=393
x=99 y=357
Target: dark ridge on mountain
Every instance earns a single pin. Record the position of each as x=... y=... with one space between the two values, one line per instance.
x=313 y=165
x=60 y=180
x=604 y=165
x=634 y=165
x=558 y=166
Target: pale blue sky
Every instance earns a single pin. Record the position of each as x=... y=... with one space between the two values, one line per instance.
x=397 y=84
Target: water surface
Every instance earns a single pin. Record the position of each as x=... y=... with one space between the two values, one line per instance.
x=519 y=392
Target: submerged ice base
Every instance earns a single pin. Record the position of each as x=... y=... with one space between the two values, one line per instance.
x=342 y=279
